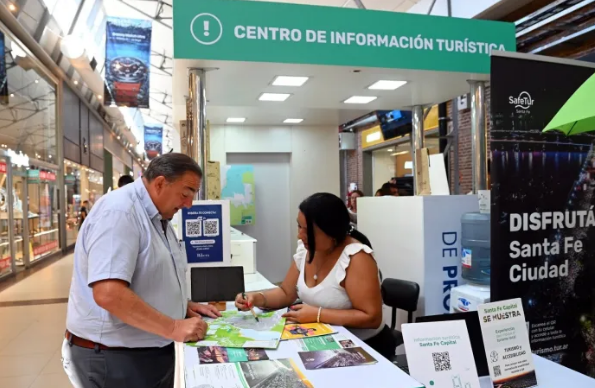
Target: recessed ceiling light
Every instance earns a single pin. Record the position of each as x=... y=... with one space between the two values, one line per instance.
x=360 y=99
x=235 y=119
x=274 y=96
x=284 y=80
x=390 y=150
x=12 y=7
x=386 y=85
x=293 y=121
x=76 y=82
x=99 y=96
x=36 y=81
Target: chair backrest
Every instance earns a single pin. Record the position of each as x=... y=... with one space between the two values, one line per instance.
x=400 y=294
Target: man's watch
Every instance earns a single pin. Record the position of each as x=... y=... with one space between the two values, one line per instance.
x=128 y=74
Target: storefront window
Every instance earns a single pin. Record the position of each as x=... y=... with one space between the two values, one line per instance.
x=19 y=175
x=396 y=161
x=28 y=146
x=81 y=184
x=44 y=232
x=5 y=254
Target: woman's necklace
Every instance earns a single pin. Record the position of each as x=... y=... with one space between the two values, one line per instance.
x=319 y=268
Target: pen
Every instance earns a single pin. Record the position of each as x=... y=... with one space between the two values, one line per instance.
x=251 y=308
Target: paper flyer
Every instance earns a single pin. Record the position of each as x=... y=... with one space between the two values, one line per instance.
x=220 y=355
x=506 y=341
x=272 y=373
x=303 y=330
x=326 y=342
x=439 y=354
x=326 y=359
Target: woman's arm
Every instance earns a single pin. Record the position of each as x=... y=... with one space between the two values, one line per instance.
x=277 y=298
x=363 y=288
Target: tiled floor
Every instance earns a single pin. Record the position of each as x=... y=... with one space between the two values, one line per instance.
x=31 y=336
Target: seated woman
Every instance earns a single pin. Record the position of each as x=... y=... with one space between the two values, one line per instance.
x=334 y=275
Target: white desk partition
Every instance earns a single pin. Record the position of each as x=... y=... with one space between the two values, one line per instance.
x=418 y=239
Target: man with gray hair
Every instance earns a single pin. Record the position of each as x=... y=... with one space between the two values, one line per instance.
x=128 y=299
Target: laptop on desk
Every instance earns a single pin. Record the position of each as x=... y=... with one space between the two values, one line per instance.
x=471 y=319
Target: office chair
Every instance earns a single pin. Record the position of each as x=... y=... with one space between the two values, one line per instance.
x=400 y=294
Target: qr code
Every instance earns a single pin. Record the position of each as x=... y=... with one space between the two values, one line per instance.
x=193 y=228
x=441 y=361
x=497 y=371
x=211 y=227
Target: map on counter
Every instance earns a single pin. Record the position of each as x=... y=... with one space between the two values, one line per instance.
x=237 y=329
x=237 y=186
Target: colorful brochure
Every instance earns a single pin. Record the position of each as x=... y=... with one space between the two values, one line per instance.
x=271 y=373
x=305 y=330
x=337 y=358
x=439 y=354
x=326 y=342
x=506 y=341
x=220 y=355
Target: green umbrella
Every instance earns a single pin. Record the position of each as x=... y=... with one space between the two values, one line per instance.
x=577 y=115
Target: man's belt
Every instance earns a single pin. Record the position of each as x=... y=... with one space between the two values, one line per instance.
x=84 y=343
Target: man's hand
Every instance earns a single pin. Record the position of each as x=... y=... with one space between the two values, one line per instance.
x=197 y=309
x=189 y=330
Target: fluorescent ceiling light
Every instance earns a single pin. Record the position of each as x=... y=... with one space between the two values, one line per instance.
x=390 y=150
x=274 y=96
x=360 y=99
x=386 y=85
x=293 y=121
x=235 y=119
x=284 y=80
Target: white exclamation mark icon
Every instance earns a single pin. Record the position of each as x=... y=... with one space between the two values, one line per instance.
x=206 y=26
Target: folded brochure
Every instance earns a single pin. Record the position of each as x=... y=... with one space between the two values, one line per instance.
x=305 y=330
x=271 y=373
x=337 y=358
x=325 y=342
x=221 y=355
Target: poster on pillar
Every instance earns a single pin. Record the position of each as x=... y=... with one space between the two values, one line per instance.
x=3 y=74
x=153 y=140
x=543 y=192
x=127 y=62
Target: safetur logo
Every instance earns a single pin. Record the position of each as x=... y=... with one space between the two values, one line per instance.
x=523 y=101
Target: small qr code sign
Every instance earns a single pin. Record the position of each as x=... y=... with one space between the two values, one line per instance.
x=211 y=227
x=497 y=371
x=441 y=361
x=193 y=228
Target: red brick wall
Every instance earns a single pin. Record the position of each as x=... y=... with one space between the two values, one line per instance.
x=465 y=160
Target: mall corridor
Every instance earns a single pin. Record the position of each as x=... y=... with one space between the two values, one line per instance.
x=32 y=319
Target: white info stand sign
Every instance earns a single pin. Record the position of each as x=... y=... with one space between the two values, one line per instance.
x=506 y=341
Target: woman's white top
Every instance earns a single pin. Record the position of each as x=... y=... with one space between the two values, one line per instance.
x=329 y=294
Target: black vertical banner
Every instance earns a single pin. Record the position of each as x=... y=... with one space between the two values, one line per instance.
x=543 y=192
x=3 y=73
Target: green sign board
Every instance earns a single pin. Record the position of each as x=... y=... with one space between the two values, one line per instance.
x=257 y=31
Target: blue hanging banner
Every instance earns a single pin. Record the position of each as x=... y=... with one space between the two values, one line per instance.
x=127 y=62
x=153 y=140
x=202 y=232
x=3 y=74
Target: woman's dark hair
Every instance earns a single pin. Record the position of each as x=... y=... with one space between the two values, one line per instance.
x=358 y=192
x=329 y=213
